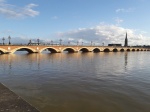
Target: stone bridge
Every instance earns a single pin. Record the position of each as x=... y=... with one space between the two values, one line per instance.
x=5 y=49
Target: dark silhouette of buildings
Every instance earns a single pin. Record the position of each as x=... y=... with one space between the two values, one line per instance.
x=126 y=41
x=114 y=45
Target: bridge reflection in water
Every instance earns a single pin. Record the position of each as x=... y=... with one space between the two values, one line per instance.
x=77 y=82
x=4 y=49
x=35 y=59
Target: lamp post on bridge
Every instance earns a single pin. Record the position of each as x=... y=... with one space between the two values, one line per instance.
x=68 y=42
x=38 y=41
x=51 y=42
x=60 y=41
x=91 y=43
x=103 y=43
x=9 y=39
x=30 y=42
x=77 y=43
x=3 y=40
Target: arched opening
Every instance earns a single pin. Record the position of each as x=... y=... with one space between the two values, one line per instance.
x=69 y=50
x=48 y=50
x=115 y=50
x=1 y=52
x=106 y=50
x=144 y=49
x=137 y=50
x=128 y=50
x=96 y=50
x=52 y=50
x=84 y=50
x=122 y=50
x=133 y=49
x=141 y=49
x=23 y=51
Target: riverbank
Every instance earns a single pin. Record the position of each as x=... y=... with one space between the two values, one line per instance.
x=10 y=102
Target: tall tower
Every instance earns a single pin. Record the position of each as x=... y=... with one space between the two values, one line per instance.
x=126 y=41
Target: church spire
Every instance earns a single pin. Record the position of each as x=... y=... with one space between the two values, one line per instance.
x=126 y=41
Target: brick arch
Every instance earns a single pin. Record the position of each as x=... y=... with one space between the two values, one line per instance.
x=122 y=50
x=115 y=50
x=106 y=50
x=2 y=51
x=84 y=49
x=96 y=50
x=51 y=49
x=28 y=49
x=69 y=49
x=128 y=50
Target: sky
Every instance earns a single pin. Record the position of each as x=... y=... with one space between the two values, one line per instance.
x=96 y=21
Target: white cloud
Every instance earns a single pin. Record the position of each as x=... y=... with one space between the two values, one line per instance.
x=118 y=20
x=125 y=10
x=54 y=17
x=12 y=11
x=104 y=33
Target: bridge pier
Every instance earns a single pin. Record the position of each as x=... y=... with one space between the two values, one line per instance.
x=6 y=53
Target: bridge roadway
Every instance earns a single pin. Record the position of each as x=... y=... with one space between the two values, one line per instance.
x=5 y=49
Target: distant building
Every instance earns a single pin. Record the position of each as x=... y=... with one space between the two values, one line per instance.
x=126 y=41
x=114 y=44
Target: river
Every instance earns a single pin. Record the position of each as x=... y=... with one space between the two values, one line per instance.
x=80 y=82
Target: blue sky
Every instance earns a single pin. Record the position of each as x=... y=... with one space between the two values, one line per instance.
x=100 y=21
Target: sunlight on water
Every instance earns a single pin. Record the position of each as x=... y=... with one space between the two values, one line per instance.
x=80 y=82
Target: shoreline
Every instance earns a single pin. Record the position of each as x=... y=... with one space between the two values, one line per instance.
x=9 y=101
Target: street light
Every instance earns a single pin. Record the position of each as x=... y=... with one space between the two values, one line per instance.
x=82 y=43
x=3 y=40
x=77 y=43
x=30 y=42
x=68 y=42
x=60 y=41
x=51 y=42
x=91 y=43
x=38 y=41
x=9 y=39
x=103 y=43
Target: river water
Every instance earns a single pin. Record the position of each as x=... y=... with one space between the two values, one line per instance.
x=80 y=82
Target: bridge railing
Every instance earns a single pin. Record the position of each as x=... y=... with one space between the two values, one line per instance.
x=65 y=45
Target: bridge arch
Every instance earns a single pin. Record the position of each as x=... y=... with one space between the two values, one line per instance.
x=133 y=49
x=115 y=50
x=51 y=49
x=69 y=49
x=96 y=50
x=2 y=51
x=137 y=50
x=106 y=50
x=128 y=50
x=84 y=49
x=121 y=50
x=28 y=49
